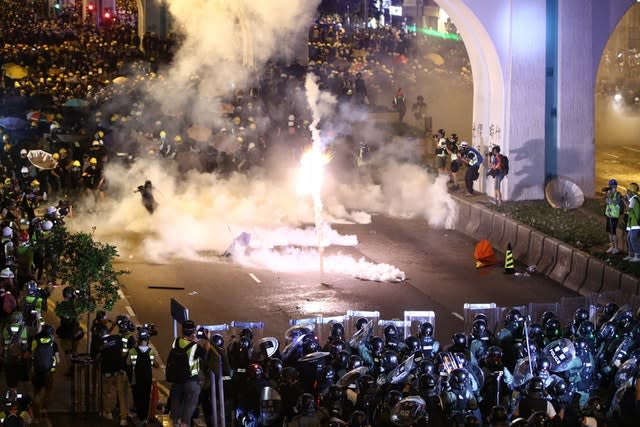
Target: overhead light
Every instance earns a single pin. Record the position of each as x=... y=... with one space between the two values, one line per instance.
x=617 y=97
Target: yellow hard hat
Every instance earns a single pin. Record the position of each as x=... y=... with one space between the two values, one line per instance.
x=56 y=156
x=7 y=181
x=75 y=164
x=95 y=143
x=93 y=161
x=63 y=151
x=101 y=134
x=163 y=134
x=35 y=183
x=178 y=138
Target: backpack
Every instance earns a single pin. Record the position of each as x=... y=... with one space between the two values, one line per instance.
x=28 y=309
x=15 y=348
x=142 y=370
x=178 y=370
x=504 y=164
x=43 y=356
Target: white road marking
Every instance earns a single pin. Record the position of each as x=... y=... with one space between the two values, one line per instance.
x=120 y=294
x=458 y=315
x=253 y=276
x=612 y=155
x=130 y=311
x=632 y=149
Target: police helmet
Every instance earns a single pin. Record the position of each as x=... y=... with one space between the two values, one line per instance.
x=426 y=329
x=536 y=385
x=328 y=374
x=459 y=340
x=361 y=323
x=274 y=367
x=538 y=419
x=337 y=330
x=389 y=360
x=586 y=329
x=143 y=334
x=355 y=361
x=613 y=183
x=47 y=225
x=412 y=343
x=376 y=344
x=188 y=327
x=341 y=359
x=99 y=330
x=246 y=332
x=459 y=378
x=255 y=371
x=306 y=404
x=581 y=314
x=392 y=397
x=7 y=232
x=390 y=332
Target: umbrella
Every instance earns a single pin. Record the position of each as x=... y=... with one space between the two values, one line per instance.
x=76 y=103
x=36 y=116
x=435 y=58
x=15 y=71
x=199 y=133
x=41 y=159
x=13 y=123
x=120 y=80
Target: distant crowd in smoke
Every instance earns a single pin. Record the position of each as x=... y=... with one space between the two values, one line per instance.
x=219 y=140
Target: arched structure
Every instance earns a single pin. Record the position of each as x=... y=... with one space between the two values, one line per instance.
x=534 y=65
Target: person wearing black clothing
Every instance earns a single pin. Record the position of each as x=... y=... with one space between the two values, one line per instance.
x=114 y=378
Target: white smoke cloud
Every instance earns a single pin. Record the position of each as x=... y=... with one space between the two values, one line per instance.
x=199 y=215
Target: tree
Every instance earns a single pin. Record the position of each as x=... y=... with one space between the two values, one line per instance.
x=86 y=266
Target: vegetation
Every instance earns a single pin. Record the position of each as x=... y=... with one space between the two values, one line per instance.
x=582 y=228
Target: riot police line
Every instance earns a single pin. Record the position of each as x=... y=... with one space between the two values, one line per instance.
x=568 y=363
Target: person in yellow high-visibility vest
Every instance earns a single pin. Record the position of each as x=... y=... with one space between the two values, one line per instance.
x=141 y=359
x=614 y=206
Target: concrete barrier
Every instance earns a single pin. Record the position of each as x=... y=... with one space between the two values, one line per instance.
x=472 y=226
x=497 y=230
x=509 y=235
x=534 y=253
x=595 y=275
x=486 y=223
x=463 y=215
x=629 y=284
x=521 y=246
x=611 y=279
x=578 y=272
x=549 y=256
x=562 y=267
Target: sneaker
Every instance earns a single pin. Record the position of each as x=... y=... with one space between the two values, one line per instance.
x=635 y=259
x=107 y=415
x=615 y=251
x=628 y=257
x=610 y=250
x=124 y=422
x=469 y=194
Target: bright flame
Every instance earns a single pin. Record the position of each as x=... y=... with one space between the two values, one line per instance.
x=311 y=172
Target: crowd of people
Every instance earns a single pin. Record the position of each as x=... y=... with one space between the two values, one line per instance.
x=516 y=371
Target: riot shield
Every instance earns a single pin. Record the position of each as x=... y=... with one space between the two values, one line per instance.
x=617 y=297
x=352 y=376
x=560 y=353
x=634 y=301
x=352 y=317
x=361 y=336
x=522 y=372
x=399 y=374
x=270 y=345
x=257 y=329
x=311 y=324
x=315 y=356
x=413 y=320
x=325 y=324
x=409 y=411
x=568 y=307
x=626 y=375
x=538 y=308
x=472 y=310
x=270 y=406
x=399 y=324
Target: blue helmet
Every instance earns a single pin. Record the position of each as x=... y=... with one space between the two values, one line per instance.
x=613 y=182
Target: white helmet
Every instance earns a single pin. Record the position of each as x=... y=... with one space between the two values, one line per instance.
x=47 y=226
x=7 y=232
x=6 y=274
x=51 y=210
x=24 y=169
x=464 y=144
x=23 y=152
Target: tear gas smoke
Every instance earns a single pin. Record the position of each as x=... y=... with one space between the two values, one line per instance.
x=199 y=214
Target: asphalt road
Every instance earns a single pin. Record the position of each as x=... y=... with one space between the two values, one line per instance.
x=438 y=264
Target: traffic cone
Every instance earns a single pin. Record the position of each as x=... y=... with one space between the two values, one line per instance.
x=508 y=261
